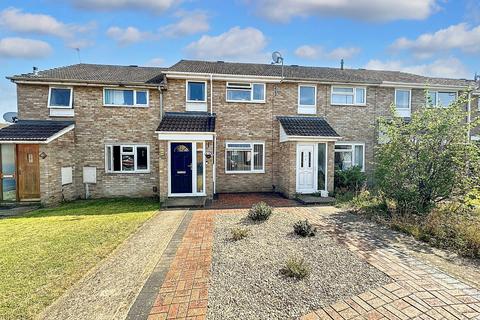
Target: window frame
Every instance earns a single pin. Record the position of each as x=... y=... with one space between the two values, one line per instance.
x=409 y=102
x=252 y=163
x=204 y=91
x=70 y=106
x=134 y=105
x=135 y=147
x=302 y=107
x=354 y=95
x=436 y=105
x=352 y=150
x=251 y=84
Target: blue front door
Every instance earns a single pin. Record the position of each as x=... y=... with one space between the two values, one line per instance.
x=181 y=167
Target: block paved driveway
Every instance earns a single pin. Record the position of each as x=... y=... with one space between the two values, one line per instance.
x=418 y=290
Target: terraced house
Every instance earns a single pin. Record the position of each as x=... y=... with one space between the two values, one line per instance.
x=199 y=128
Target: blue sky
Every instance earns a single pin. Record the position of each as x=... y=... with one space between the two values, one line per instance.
x=431 y=37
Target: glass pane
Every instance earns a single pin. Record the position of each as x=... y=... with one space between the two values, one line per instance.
x=119 y=97
x=343 y=147
x=196 y=91
x=109 y=158
x=402 y=99
x=9 y=190
x=342 y=90
x=307 y=96
x=60 y=97
x=359 y=156
x=446 y=98
x=343 y=160
x=8 y=159
x=239 y=160
x=322 y=166
x=258 y=92
x=199 y=167
x=127 y=149
x=432 y=98
x=238 y=95
x=342 y=99
x=258 y=157
x=142 y=158
x=141 y=97
x=360 y=95
x=116 y=158
x=239 y=145
x=128 y=163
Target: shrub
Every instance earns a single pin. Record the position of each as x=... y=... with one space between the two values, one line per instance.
x=296 y=268
x=260 y=212
x=304 y=228
x=239 y=233
x=349 y=180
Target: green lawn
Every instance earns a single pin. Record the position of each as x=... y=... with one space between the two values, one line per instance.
x=46 y=251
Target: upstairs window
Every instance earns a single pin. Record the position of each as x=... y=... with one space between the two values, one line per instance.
x=403 y=102
x=348 y=96
x=244 y=157
x=307 y=99
x=348 y=155
x=245 y=92
x=125 y=98
x=60 y=98
x=127 y=158
x=441 y=98
x=196 y=91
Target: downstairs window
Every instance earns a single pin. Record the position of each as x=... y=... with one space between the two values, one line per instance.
x=348 y=155
x=244 y=157
x=127 y=158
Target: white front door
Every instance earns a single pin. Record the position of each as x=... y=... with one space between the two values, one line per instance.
x=306 y=168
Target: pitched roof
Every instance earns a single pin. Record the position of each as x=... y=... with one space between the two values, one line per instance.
x=98 y=73
x=314 y=73
x=33 y=130
x=304 y=126
x=187 y=122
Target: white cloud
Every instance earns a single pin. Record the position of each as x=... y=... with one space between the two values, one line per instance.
x=156 y=6
x=24 y=48
x=448 y=68
x=313 y=52
x=15 y=20
x=155 y=62
x=235 y=44
x=366 y=10
x=454 y=37
x=128 y=35
x=189 y=23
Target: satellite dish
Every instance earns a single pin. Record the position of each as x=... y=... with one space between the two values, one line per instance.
x=277 y=57
x=10 y=117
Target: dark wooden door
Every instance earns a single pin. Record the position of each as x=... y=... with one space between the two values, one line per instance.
x=28 y=169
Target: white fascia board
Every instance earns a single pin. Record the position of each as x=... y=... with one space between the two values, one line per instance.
x=389 y=84
x=87 y=84
x=184 y=136
x=310 y=139
x=222 y=77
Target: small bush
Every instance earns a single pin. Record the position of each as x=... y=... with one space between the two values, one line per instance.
x=304 y=228
x=239 y=233
x=296 y=268
x=351 y=179
x=260 y=212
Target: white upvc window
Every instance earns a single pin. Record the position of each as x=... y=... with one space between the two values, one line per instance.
x=245 y=157
x=307 y=99
x=403 y=102
x=60 y=97
x=349 y=154
x=125 y=97
x=441 y=99
x=127 y=158
x=349 y=96
x=245 y=92
x=196 y=95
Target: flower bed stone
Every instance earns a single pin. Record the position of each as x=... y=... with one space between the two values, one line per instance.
x=246 y=282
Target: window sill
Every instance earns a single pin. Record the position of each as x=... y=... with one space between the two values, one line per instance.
x=348 y=105
x=60 y=107
x=126 y=172
x=244 y=101
x=243 y=172
x=132 y=106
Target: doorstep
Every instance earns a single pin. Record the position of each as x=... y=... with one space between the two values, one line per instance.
x=12 y=209
x=312 y=199
x=184 y=202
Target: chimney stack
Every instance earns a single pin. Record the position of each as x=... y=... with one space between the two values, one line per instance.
x=35 y=71
x=341 y=64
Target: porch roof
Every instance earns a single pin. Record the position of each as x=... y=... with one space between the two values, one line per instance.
x=30 y=131
x=187 y=122
x=306 y=126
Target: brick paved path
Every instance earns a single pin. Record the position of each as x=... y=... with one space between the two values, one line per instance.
x=185 y=289
x=418 y=291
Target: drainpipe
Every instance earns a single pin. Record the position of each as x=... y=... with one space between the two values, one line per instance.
x=214 y=164
x=469 y=112
x=211 y=94
x=161 y=101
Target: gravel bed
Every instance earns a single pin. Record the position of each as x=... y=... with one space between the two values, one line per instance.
x=246 y=282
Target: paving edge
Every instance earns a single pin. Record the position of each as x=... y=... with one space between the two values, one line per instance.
x=145 y=299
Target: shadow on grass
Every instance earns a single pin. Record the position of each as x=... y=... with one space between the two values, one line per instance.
x=96 y=207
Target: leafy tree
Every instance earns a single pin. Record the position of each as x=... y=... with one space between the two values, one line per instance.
x=427 y=159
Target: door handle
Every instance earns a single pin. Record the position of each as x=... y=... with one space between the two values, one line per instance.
x=181 y=172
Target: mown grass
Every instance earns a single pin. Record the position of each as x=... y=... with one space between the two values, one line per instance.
x=44 y=252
